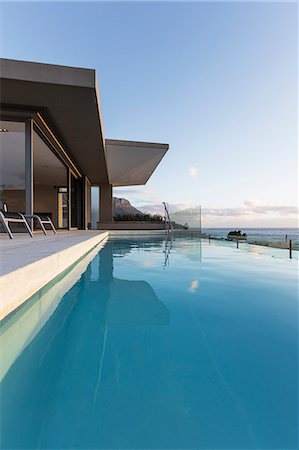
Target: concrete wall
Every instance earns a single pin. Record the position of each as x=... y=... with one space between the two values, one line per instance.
x=106 y=213
x=95 y=208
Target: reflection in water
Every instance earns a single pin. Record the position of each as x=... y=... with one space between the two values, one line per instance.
x=127 y=245
x=193 y=286
x=167 y=249
x=19 y=329
x=130 y=302
x=53 y=388
x=189 y=247
x=110 y=370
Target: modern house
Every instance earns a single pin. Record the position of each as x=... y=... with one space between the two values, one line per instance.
x=53 y=149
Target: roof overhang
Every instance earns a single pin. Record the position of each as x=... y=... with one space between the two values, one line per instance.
x=132 y=163
x=67 y=98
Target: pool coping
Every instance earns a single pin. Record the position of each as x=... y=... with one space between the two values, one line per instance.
x=19 y=285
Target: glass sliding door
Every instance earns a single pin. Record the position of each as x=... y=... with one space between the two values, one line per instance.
x=42 y=179
x=62 y=207
x=49 y=183
x=12 y=165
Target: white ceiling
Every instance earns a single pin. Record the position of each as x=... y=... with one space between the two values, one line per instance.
x=132 y=163
x=47 y=168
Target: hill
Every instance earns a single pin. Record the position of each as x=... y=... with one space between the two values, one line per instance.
x=122 y=206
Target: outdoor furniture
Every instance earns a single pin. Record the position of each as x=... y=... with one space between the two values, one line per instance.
x=42 y=221
x=16 y=217
x=7 y=217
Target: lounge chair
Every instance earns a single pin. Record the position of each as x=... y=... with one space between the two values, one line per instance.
x=17 y=217
x=42 y=220
x=6 y=217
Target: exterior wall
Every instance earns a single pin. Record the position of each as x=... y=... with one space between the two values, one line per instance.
x=95 y=206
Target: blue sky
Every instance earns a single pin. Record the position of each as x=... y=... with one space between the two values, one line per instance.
x=217 y=81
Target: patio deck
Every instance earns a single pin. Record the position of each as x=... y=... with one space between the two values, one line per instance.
x=28 y=264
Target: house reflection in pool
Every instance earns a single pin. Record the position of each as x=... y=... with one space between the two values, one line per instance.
x=75 y=353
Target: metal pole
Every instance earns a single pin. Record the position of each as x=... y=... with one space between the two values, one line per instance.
x=237 y=243
x=200 y=250
x=290 y=248
x=200 y=218
x=29 y=169
x=165 y=217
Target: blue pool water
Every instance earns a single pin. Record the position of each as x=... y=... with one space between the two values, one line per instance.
x=192 y=348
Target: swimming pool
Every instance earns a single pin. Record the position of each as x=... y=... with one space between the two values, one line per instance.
x=153 y=346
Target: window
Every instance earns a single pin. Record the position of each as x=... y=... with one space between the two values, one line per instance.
x=12 y=165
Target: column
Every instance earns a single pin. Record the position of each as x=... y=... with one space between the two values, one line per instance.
x=29 y=168
x=106 y=214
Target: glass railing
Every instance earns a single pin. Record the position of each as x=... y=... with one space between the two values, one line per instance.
x=285 y=246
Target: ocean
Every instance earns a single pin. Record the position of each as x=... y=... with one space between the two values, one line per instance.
x=259 y=234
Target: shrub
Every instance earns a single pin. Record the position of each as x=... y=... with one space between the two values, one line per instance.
x=138 y=218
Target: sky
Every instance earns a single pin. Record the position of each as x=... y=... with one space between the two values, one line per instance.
x=217 y=81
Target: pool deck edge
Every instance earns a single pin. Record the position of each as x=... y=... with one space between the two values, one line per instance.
x=20 y=283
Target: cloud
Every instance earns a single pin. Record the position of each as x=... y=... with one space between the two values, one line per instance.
x=151 y=208
x=147 y=264
x=184 y=212
x=193 y=171
x=251 y=211
x=123 y=192
x=225 y=212
x=158 y=208
x=259 y=208
x=249 y=208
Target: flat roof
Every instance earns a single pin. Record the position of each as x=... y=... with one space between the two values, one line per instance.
x=132 y=162
x=67 y=98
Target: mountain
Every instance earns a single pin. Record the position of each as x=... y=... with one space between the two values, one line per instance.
x=123 y=206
